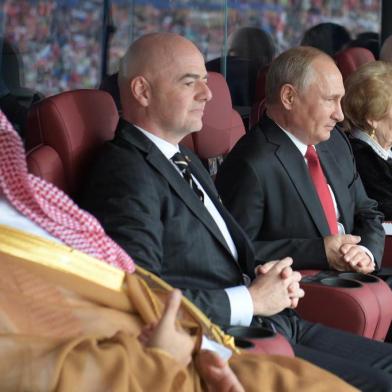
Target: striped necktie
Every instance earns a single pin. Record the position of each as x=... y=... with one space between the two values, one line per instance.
x=182 y=163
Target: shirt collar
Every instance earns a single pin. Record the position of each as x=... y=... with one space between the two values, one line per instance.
x=381 y=152
x=167 y=149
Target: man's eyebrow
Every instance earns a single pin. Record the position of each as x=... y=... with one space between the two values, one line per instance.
x=333 y=96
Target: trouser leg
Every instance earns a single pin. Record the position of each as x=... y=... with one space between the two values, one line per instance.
x=364 y=363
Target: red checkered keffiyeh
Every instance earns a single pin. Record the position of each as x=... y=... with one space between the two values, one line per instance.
x=49 y=207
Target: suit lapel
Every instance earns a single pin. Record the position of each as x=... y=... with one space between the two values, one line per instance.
x=294 y=164
x=185 y=192
x=241 y=241
x=156 y=159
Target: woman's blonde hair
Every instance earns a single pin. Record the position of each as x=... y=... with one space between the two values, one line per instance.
x=368 y=95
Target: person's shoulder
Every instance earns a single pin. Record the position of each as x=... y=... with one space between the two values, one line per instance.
x=127 y=144
x=359 y=146
x=338 y=133
x=115 y=152
x=252 y=140
x=117 y=159
x=338 y=140
x=251 y=152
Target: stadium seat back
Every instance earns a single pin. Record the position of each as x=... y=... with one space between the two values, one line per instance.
x=222 y=125
x=350 y=59
x=73 y=124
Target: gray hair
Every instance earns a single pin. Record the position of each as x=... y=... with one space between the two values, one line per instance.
x=294 y=67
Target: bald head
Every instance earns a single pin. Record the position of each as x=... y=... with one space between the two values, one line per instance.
x=162 y=81
x=152 y=54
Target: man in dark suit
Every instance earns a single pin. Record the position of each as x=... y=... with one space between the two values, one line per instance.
x=172 y=222
x=266 y=181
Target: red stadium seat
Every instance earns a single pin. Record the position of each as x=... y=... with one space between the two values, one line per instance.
x=222 y=125
x=64 y=130
x=350 y=59
x=357 y=303
x=260 y=340
x=387 y=256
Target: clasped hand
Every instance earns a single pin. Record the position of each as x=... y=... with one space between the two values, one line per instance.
x=275 y=287
x=344 y=254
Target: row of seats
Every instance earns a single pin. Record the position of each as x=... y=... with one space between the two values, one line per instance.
x=65 y=131
x=89 y=117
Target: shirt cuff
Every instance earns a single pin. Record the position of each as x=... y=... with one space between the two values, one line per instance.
x=241 y=305
x=367 y=251
x=208 y=344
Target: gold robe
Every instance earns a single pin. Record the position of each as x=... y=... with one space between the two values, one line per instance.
x=69 y=322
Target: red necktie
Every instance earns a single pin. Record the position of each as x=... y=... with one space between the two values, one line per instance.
x=320 y=183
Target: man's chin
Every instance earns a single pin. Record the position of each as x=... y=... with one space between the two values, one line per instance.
x=196 y=127
x=322 y=137
x=327 y=134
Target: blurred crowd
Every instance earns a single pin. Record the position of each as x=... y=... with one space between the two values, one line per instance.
x=60 y=41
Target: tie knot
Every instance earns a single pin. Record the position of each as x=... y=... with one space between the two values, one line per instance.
x=311 y=154
x=180 y=160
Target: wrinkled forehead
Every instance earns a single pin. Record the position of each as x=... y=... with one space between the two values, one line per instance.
x=183 y=57
x=326 y=76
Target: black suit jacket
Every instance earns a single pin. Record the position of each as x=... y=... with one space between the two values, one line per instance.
x=147 y=207
x=376 y=175
x=265 y=184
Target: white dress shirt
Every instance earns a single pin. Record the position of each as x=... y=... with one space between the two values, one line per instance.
x=10 y=216
x=241 y=304
x=302 y=148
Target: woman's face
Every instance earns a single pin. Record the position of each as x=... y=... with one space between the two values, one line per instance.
x=383 y=130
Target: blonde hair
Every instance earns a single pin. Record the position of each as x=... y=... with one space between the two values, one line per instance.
x=368 y=95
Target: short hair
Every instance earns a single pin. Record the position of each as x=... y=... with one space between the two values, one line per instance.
x=328 y=37
x=252 y=43
x=294 y=67
x=368 y=95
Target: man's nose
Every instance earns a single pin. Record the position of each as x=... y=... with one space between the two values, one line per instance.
x=338 y=113
x=205 y=92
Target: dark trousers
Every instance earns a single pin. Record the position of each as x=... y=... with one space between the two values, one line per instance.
x=364 y=363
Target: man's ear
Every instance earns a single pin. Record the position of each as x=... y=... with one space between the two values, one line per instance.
x=287 y=95
x=140 y=90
